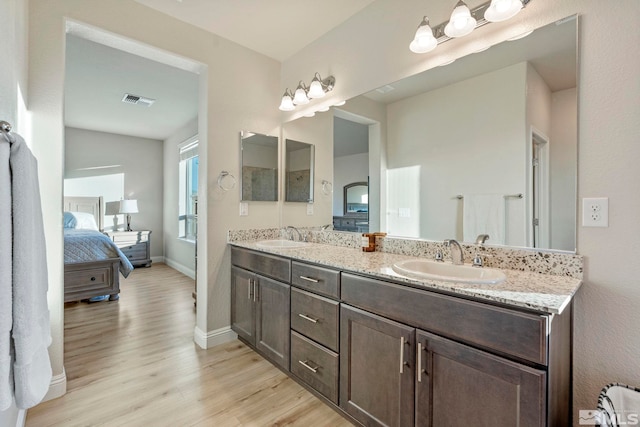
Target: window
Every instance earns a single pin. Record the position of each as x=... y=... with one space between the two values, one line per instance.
x=188 y=189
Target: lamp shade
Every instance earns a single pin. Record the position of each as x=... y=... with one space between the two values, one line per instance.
x=315 y=89
x=128 y=206
x=424 y=41
x=287 y=103
x=300 y=95
x=461 y=22
x=501 y=10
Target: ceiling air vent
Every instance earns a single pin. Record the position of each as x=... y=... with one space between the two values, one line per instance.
x=138 y=100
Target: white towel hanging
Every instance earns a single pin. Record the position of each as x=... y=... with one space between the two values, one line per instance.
x=484 y=214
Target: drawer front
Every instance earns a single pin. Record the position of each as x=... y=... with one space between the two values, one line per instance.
x=316 y=279
x=135 y=252
x=315 y=365
x=271 y=266
x=316 y=317
x=130 y=238
x=82 y=282
x=520 y=334
x=80 y=278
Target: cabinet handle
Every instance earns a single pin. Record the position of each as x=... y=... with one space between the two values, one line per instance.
x=93 y=279
x=310 y=319
x=419 y=357
x=309 y=367
x=401 y=354
x=310 y=279
x=256 y=288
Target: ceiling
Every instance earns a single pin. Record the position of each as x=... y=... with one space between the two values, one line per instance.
x=98 y=76
x=275 y=28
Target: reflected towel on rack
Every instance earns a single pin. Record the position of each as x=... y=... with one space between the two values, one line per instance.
x=31 y=331
x=484 y=214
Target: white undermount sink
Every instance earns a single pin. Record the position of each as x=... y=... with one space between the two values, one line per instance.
x=280 y=244
x=425 y=269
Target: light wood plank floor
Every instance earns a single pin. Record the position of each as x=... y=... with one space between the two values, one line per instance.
x=134 y=363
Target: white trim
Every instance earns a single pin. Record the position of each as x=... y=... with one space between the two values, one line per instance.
x=181 y=268
x=22 y=417
x=57 y=387
x=158 y=259
x=213 y=338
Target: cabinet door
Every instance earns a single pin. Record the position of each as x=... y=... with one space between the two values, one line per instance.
x=243 y=319
x=272 y=320
x=461 y=386
x=376 y=369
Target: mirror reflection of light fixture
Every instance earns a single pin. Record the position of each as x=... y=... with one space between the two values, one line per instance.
x=304 y=94
x=463 y=21
x=128 y=207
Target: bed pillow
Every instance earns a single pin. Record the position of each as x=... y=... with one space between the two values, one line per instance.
x=80 y=220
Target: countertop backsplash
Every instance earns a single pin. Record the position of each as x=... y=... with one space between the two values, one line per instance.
x=519 y=259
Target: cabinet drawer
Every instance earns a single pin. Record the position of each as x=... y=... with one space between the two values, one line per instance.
x=316 y=317
x=80 y=278
x=81 y=281
x=315 y=365
x=268 y=265
x=317 y=279
x=516 y=333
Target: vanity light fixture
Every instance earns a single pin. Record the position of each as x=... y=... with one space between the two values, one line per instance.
x=463 y=21
x=304 y=94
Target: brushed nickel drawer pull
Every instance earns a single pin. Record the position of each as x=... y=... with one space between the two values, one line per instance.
x=310 y=319
x=419 y=370
x=310 y=279
x=309 y=367
x=401 y=354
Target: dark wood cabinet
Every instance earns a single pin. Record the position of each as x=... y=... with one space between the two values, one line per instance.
x=376 y=369
x=260 y=314
x=457 y=385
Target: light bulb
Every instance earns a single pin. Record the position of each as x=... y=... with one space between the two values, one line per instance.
x=501 y=10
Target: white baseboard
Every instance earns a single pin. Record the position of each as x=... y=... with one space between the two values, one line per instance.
x=22 y=417
x=213 y=338
x=159 y=259
x=181 y=268
x=57 y=387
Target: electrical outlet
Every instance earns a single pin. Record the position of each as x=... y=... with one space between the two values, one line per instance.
x=244 y=209
x=595 y=212
x=309 y=208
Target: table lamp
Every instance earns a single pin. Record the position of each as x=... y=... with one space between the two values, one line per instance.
x=128 y=207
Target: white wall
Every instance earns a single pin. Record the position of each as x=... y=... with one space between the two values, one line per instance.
x=90 y=153
x=233 y=100
x=482 y=117
x=347 y=169
x=178 y=253
x=606 y=342
x=564 y=167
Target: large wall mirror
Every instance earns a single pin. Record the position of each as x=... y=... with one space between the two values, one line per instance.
x=259 y=167
x=299 y=165
x=487 y=144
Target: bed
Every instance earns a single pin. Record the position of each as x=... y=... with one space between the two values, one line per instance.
x=92 y=262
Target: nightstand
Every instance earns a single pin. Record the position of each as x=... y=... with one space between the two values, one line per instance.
x=135 y=245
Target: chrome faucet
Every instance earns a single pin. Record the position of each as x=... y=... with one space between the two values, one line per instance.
x=289 y=230
x=481 y=239
x=457 y=257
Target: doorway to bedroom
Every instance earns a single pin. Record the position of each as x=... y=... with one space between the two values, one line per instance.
x=128 y=109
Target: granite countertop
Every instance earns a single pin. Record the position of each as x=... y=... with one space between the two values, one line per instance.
x=539 y=292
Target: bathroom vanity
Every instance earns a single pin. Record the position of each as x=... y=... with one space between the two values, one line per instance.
x=390 y=350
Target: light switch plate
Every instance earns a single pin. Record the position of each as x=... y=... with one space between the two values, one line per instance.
x=595 y=212
x=244 y=209
x=309 y=208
